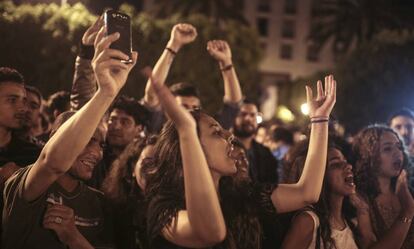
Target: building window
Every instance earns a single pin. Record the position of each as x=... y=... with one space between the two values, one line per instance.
x=290 y=7
x=263 y=6
x=288 y=29
x=313 y=53
x=286 y=51
x=263 y=26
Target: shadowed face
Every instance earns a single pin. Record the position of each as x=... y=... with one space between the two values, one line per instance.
x=391 y=154
x=12 y=105
x=89 y=157
x=245 y=124
x=189 y=102
x=122 y=128
x=404 y=126
x=33 y=109
x=339 y=174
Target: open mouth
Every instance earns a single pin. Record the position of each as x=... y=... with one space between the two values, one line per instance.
x=397 y=164
x=349 y=179
x=89 y=163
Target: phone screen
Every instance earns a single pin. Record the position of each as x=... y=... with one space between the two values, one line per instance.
x=119 y=22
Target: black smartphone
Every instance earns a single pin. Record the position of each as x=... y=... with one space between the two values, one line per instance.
x=119 y=22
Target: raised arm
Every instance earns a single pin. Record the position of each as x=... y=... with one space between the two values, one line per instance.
x=70 y=139
x=289 y=197
x=220 y=50
x=202 y=223
x=181 y=34
x=84 y=81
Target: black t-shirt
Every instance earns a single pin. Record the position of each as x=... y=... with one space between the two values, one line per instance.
x=20 y=152
x=22 y=220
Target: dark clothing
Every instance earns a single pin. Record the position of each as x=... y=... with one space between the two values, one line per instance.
x=130 y=220
x=20 y=152
x=263 y=169
x=247 y=200
x=262 y=165
x=22 y=220
x=101 y=170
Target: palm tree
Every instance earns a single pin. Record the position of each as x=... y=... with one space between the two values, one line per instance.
x=218 y=10
x=350 y=22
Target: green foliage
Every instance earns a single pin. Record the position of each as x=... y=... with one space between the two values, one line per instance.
x=41 y=41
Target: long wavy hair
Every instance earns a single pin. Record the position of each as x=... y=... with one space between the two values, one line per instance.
x=366 y=147
x=322 y=208
x=165 y=192
x=119 y=182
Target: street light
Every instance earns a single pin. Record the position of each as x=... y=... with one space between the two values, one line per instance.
x=304 y=109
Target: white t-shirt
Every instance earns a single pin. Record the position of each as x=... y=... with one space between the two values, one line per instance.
x=344 y=239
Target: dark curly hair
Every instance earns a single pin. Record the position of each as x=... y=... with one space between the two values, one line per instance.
x=294 y=166
x=131 y=106
x=165 y=193
x=8 y=74
x=367 y=155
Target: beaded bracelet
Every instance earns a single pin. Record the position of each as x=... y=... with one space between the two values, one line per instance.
x=171 y=50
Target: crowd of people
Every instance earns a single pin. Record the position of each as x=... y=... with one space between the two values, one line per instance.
x=93 y=169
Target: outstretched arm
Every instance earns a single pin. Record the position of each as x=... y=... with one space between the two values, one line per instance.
x=288 y=197
x=62 y=149
x=181 y=34
x=220 y=50
x=202 y=223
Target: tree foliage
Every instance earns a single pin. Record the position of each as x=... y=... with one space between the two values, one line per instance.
x=354 y=22
x=217 y=10
x=41 y=41
x=375 y=80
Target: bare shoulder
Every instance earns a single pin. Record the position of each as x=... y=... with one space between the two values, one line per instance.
x=304 y=222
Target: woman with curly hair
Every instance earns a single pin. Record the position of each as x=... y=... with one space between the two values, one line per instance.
x=327 y=224
x=380 y=174
x=195 y=201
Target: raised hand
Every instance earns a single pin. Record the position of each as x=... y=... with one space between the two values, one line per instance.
x=322 y=105
x=89 y=36
x=359 y=203
x=61 y=220
x=181 y=34
x=404 y=195
x=110 y=72
x=220 y=50
x=178 y=114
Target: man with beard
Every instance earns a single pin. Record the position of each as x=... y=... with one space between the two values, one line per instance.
x=402 y=122
x=262 y=164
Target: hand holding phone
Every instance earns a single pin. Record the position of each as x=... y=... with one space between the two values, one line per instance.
x=119 y=22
